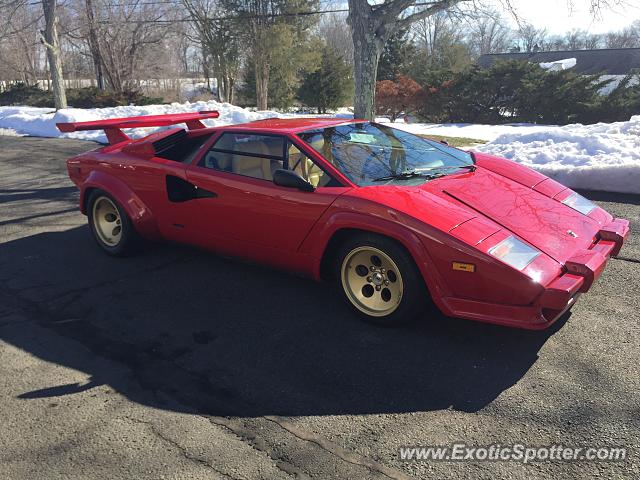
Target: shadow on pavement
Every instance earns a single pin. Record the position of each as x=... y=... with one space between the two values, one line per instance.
x=226 y=338
x=53 y=193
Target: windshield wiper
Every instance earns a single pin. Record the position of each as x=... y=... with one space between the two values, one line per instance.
x=422 y=173
x=408 y=175
x=470 y=166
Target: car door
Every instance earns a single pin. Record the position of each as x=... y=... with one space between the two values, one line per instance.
x=247 y=213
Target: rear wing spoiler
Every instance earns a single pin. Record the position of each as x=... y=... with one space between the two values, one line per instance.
x=113 y=126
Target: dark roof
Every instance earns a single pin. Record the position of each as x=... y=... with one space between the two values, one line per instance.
x=608 y=61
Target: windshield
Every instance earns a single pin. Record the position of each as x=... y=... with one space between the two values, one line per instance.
x=369 y=153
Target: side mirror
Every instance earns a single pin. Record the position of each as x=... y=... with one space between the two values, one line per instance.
x=288 y=178
x=444 y=142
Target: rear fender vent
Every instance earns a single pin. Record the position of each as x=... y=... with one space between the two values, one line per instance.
x=169 y=141
x=155 y=143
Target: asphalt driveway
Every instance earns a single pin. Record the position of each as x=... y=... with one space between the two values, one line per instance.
x=180 y=364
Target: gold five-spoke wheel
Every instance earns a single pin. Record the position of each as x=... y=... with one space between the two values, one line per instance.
x=372 y=281
x=107 y=221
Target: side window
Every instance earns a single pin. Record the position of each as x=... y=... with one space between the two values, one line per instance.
x=256 y=156
x=307 y=169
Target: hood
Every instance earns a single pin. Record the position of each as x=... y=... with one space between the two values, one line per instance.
x=545 y=223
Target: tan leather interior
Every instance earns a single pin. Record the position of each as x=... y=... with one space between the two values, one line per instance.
x=304 y=166
x=258 y=167
x=254 y=166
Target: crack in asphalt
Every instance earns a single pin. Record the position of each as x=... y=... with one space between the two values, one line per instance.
x=250 y=438
x=185 y=453
x=628 y=259
x=342 y=453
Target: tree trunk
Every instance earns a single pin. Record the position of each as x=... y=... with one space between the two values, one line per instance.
x=222 y=88
x=367 y=50
x=52 y=44
x=262 y=83
x=365 y=69
x=94 y=46
x=205 y=66
x=230 y=85
x=371 y=26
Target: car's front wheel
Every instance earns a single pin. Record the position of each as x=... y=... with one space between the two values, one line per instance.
x=110 y=224
x=379 y=279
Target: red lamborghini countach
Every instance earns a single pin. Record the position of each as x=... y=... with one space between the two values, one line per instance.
x=394 y=219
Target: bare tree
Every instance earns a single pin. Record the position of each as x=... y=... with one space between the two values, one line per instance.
x=488 y=33
x=627 y=38
x=20 y=45
x=219 y=41
x=336 y=33
x=119 y=37
x=592 y=41
x=12 y=13
x=429 y=31
x=372 y=26
x=260 y=18
x=93 y=41
x=52 y=43
x=574 y=39
x=441 y=41
x=530 y=38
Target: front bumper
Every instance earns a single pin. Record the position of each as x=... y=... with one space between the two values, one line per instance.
x=580 y=271
x=585 y=266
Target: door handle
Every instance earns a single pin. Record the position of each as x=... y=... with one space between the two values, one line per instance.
x=203 y=193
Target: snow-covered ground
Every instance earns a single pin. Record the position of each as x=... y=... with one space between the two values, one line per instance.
x=484 y=133
x=605 y=156
x=41 y=122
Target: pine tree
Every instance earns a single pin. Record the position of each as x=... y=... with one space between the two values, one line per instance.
x=397 y=53
x=328 y=87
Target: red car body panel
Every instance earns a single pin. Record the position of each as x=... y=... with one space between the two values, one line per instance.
x=456 y=218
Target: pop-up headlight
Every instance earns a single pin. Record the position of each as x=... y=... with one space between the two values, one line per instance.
x=579 y=203
x=514 y=252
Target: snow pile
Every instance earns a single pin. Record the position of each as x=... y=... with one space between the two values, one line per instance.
x=485 y=133
x=604 y=156
x=41 y=122
x=7 y=132
x=564 y=64
x=615 y=81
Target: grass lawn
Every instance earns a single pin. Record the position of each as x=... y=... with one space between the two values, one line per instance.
x=456 y=141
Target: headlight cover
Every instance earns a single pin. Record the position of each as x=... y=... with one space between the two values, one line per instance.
x=515 y=253
x=579 y=203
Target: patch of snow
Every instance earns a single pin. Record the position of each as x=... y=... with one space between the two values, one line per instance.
x=615 y=81
x=8 y=132
x=41 y=122
x=564 y=64
x=604 y=156
x=485 y=133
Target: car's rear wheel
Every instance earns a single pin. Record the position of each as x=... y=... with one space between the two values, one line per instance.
x=110 y=224
x=379 y=279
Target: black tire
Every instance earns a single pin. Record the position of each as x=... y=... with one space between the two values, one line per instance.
x=413 y=297
x=128 y=240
